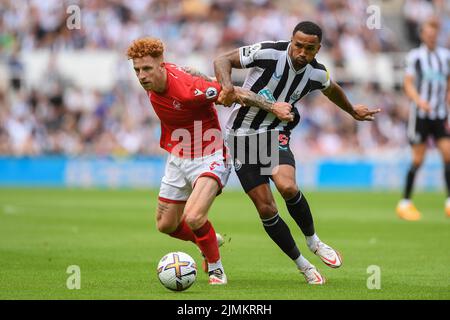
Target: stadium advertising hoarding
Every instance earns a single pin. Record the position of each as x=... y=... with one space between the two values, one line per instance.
x=146 y=172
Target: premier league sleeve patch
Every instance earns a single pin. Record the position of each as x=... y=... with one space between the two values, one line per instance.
x=249 y=51
x=247 y=54
x=211 y=93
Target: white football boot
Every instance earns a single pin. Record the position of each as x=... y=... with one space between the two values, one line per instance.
x=217 y=277
x=312 y=275
x=328 y=255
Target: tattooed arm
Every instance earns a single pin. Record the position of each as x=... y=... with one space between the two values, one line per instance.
x=282 y=110
x=251 y=99
x=246 y=97
x=223 y=66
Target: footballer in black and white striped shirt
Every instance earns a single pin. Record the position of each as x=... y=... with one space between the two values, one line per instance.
x=280 y=71
x=427 y=84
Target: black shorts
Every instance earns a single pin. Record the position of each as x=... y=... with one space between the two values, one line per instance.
x=421 y=129
x=255 y=156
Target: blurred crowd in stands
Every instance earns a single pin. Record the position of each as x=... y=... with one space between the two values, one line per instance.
x=57 y=117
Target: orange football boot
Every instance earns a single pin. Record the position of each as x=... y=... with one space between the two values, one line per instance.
x=408 y=212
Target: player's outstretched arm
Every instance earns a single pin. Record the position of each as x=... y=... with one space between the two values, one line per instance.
x=359 y=112
x=282 y=110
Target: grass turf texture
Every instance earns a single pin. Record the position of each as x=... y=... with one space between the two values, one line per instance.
x=111 y=236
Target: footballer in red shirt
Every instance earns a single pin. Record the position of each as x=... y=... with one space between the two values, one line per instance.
x=196 y=169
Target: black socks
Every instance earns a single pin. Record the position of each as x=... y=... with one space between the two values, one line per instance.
x=447 y=178
x=409 y=182
x=279 y=232
x=299 y=209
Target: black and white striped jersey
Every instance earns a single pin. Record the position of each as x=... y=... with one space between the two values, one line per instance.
x=274 y=77
x=431 y=70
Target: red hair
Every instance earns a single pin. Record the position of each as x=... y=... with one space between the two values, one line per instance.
x=145 y=47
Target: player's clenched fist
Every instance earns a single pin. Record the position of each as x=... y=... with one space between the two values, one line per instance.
x=283 y=111
x=228 y=96
x=245 y=97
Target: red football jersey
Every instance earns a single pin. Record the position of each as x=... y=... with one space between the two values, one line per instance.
x=190 y=126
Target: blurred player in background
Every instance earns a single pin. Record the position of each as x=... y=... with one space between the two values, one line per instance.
x=427 y=84
x=282 y=71
x=196 y=169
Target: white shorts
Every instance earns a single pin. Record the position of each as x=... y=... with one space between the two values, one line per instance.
x=181 y=174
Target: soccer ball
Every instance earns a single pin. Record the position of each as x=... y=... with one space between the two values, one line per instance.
x=177 y=271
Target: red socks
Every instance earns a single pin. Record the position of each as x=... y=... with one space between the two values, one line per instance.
x=183 y=232
x=206 y=239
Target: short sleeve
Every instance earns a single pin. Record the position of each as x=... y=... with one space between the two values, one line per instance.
x=320 y=77
x=410 y=63
x=325 y=79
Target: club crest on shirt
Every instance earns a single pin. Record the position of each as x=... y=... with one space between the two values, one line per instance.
x=211 y=93
x=176 y=104
x=295 y=96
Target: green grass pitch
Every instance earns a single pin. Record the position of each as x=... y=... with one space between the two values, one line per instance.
x=111 y=236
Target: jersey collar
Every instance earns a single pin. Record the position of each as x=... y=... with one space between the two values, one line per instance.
x=425 y=48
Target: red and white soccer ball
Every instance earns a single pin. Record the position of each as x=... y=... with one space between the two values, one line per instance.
x=177 y=271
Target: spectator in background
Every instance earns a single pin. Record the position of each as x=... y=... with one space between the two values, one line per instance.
x=16 y=70
x=195 y=31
